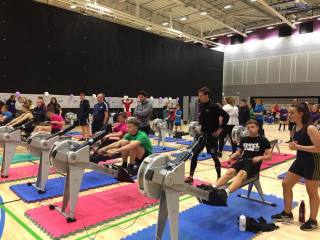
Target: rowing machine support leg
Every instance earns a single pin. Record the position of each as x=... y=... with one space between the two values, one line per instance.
x=257 y=185
x=169 y=208
x=43 y=173
x=8 y=155
x=72 y=189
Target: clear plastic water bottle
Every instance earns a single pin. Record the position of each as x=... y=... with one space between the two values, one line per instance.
x=242 y=223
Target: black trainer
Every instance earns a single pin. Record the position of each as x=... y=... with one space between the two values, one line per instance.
x=282 y=217
x=217 y=197
x=309 y=225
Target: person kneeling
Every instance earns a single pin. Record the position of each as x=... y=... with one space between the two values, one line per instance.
x=254 y=149
x=134 y=147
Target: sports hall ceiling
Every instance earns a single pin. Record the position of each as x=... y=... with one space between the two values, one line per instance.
x=196 y=20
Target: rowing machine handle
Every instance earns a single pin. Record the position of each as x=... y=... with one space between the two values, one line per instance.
x=63 y=131
x=93 y=140
x=26 y=125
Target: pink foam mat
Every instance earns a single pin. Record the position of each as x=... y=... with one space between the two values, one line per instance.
x=24 y=172
x=276 y=159
x=91 y=210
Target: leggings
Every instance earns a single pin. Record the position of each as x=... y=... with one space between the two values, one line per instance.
x=261 y=130
x=227 y=132
x=211 y=144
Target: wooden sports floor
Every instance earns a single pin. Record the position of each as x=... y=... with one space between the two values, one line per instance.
x=19 y=227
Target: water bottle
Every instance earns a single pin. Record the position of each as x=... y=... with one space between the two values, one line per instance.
x=302 y=212
x=242 y=223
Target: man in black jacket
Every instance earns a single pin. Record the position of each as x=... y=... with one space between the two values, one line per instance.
x=83 y=116
x=209 y=114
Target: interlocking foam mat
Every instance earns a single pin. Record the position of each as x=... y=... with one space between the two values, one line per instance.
x=160 y=149
x=22 y=157
x=276 y=159
x=55 y=186
x=202 y=156
x=19 y=173
x=204 y=222
x=91 y=210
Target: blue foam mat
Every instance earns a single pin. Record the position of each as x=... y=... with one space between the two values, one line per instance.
x=202 y=156
x=204 y=222
x=55 y=187
x=160 y=149
x=185 y=142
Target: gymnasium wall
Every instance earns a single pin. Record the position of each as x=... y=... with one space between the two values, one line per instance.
x=44 y=48
x=287 y=66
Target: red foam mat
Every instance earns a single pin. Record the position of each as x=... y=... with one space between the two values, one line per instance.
x=19 y=173
x=91 y=210
x=276 y=159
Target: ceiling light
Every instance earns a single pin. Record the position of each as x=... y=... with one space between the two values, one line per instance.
x=183 y=19
x=165 y=23
x=249 y=31
x=229 y=35
x=73 y=6
x=203 y=13
x=227 y=7
x=318 y=19
x=253 y=0
x=98 y=7
x=148 y=28
x=213 y=38
x=271 y=27
x=296 y=23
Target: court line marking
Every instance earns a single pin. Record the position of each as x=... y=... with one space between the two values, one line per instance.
x=21 y=223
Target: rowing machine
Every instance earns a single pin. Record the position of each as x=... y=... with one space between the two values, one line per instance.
x=72 y=158
x=161 y=127
x=10 y=138
x=39 y=144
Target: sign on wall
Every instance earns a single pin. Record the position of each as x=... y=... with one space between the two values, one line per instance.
x=71 y=101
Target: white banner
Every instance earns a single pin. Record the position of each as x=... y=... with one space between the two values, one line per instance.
x=72 y=101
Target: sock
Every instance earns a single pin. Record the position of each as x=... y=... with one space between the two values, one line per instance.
x=124 y=164
x=227 y=191
x=130 y=166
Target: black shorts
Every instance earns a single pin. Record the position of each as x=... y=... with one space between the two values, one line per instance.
x=291 y=125
x=54 y=130
x=96 y=126
x=307 y=168
x=247 y=166
x=139 y=161
x=84 y=122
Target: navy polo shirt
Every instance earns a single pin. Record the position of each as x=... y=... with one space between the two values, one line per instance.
x=98 y=111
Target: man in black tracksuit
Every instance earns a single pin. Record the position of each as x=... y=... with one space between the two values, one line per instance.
x=209 y=114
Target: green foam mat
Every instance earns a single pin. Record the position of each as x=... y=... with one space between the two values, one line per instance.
x=22 y=157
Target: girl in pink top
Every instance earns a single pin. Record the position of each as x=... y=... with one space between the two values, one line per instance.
x=118 y=131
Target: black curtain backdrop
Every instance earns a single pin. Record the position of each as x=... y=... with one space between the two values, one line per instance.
x=44 y=48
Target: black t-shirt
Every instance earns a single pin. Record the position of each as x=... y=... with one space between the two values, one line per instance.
x=84 y=109
x=254 y=146
x=209 y=114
